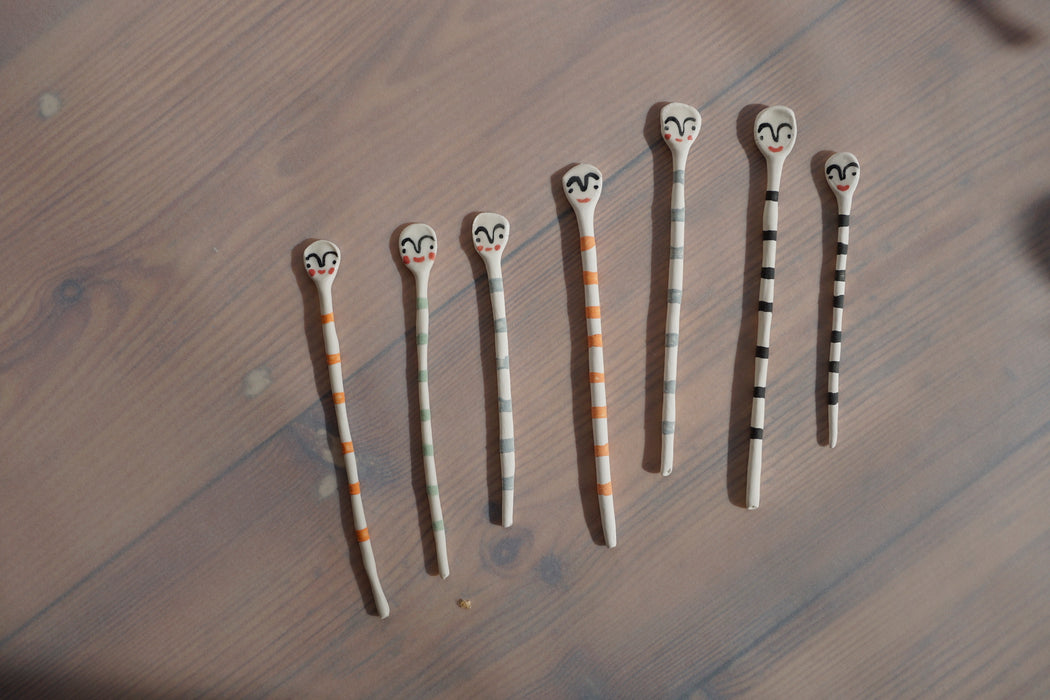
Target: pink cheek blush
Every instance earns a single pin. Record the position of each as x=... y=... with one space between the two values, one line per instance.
x=497 y=246
x=689 y=137
x=667 y=136
x=331 y=271
x=480 y=248
x=312 y=272
x=431 y=256
x=404 y=259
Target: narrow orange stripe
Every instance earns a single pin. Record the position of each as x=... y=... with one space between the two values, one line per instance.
x=362 y=534
x=348 y=447
x=592 y=311
x=586 y=242
x=327 y=318
x=597 y=377
x=334 y=359
x=599 y=412
x=590 y=277
x=605 y=489
x=594 y=341
x=601 y=450
x=355 y=488
x=338 y=397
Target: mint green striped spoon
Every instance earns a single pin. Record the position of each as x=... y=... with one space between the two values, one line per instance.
x=418 y=244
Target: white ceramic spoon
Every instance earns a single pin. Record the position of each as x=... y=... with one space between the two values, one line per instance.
x=321 y=260
x=843 y=172
x=418 y=244
x=583 y=187
x=491 y=233
x=681 y=126
x=775 y=134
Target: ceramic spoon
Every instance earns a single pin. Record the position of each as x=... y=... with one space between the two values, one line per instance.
x=418 y=244
x=681 y=126
x=843 y=173
x=583 y=186
x=491 y=233
x=775 y=134
x=321 y=260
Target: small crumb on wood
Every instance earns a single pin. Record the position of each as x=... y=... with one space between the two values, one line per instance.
x=463 y=603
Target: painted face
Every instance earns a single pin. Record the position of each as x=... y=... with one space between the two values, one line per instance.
x=775 y=131
x=680 y=124
x=843 y=172
x=321 y=258
x=418 y=247
x=491 y=232
x=583 y=185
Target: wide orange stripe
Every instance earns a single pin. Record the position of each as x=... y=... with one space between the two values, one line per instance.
x=599 y=412
x=597 y=377
x=601 y=450
x=355 y=488
x=592 y=311
x=586 y=242
x=338 y=397
x=327 y=318
x=594 y=341
x=334 y=359
x=590 y=277
x=605 y=489
x=348 y=447
x=362 y=534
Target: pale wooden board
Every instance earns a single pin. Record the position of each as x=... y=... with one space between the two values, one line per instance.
x=170 y=518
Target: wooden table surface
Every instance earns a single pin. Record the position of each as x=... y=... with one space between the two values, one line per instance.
x=173 y=521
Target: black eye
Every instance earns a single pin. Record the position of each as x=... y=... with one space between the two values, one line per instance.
x=595 y=186
x=789 y=135
x=570 y=190
x=307 y=266
x=501 y=235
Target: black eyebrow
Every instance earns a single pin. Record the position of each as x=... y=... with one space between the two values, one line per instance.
x=418 y=246
x=583 y=182
x=321 y=258
x=482 y=229
x=842 y=169
x=775 y=133
x=681 y=127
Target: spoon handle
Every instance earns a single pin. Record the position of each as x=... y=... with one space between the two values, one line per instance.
x=426 y=431
x=335 y=374
x=675 y=277
x=765 y=322
x=506 y=416
x=599 y=411
x=838 y=302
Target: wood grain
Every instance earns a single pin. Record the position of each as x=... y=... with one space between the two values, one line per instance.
x=173 y=521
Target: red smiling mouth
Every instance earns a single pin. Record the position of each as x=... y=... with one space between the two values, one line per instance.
x=414 y=259
x=584 y=201
x=842 y=188
x=776 y=149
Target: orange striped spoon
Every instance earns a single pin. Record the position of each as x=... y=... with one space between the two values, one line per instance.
x=583 y=186
x=321 y=260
